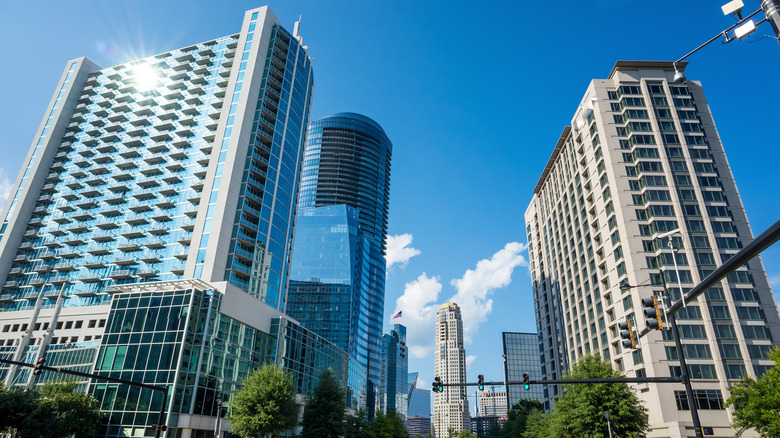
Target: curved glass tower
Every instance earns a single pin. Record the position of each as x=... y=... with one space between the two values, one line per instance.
x=346 y=162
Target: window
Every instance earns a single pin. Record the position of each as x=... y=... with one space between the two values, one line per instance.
x=744 y=294
x=689 y=313
x=695 y=371
x=730 y=351
x=755 y=332
x=734 y=371
x=720 y=312
x=725 y=331
x=759 y=351
x=705 y=399
x=687 y=331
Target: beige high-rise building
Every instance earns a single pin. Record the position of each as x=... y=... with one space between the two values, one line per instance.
x=450 y=407
x=492 y=404
x=641 y=158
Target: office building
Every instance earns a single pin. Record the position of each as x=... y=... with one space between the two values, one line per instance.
x=346 y=162
x=417 y=426
x=492 y=404
x=420 y=403
x=148 y=234
x=481 y=426
x=521 y=352
x=642 y=157
x=451 y=406
x=394 y=387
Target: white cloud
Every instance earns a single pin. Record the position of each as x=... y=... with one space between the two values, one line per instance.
x=419 y=307
x=420 y=300
x=5 y=188
x=470 y=360
x=476 y=287
x=774 y=281
x=399 y=249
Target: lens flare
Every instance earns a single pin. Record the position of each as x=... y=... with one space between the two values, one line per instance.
x=145 y=78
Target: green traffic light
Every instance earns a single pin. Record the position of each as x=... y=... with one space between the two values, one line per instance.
x=527 y=387
x=481 y=387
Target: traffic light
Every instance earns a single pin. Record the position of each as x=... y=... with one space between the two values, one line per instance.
x=438 y=386
x=526 y=384
x=627 y=334
x=652 y=313
x=39 y=367
x=481 y=382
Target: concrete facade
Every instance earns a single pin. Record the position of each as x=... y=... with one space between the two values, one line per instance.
x=643 y=157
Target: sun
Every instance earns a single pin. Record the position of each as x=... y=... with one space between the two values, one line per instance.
x=145 y=78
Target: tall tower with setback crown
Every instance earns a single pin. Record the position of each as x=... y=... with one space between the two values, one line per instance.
x=450 y=407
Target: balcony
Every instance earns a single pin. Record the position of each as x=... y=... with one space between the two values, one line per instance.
x=121 y=274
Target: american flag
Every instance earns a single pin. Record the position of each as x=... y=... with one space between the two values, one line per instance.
x=397 y=315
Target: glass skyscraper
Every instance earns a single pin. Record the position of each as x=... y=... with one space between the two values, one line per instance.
x=346 y=162
x=148 y=234
x=521 y=351
x=394 y=388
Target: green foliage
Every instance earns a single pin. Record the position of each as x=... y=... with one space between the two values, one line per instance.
x=55 y=410
x=465 y=434
x=579 y=411
x=15 y=406
x=265 y=404
x=538 y=425
x=324 y=414
x=387 y=426
x=517 y=417
x=355 y=426
x=756 y=402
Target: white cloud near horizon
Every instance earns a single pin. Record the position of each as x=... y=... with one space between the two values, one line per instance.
x=399 y=250
x=470 y=360
x=475 y=289
x=5 y=188
x=420 y=300
x=419 y=307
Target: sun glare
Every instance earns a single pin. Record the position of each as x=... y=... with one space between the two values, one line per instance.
x=145 y=78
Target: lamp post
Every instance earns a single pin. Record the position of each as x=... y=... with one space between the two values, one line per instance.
x=743 y=28
x=609 y=426
x=218 y=423
x=676 y=335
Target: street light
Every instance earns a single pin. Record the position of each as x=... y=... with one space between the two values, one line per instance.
x=743 y=28
x=609 y=427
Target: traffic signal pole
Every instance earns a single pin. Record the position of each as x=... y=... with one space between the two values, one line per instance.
x=159 y=427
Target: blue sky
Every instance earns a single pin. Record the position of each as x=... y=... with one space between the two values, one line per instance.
x=473 y=96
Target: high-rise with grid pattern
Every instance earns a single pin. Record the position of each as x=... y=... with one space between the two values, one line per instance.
x=148 y=234
x=642 y=157
x=450 y=407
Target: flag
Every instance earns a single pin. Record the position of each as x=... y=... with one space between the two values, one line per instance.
x=397 y=315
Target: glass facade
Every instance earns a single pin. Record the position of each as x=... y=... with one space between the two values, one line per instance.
x=133 y=184
x=147 y=180
x=347 y=161
x=330 y=272
x=394 y=388
x=522 y=356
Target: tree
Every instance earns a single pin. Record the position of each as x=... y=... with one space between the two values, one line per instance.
x=465 y=434
x=538 y=425
x=355 y=426
x=517 y=417
x=579 y=410
x=387 y=425
x=15 y=406
x=756 y=402
x=55 y=410
x=265 y=404
x=324 y=415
